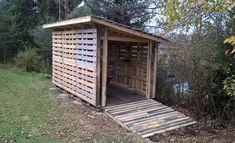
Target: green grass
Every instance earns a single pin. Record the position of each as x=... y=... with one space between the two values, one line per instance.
x=28 y=110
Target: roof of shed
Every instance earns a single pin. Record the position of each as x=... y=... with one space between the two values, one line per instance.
x=108 y=23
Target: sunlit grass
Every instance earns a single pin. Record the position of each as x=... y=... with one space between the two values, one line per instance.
x=28 y=111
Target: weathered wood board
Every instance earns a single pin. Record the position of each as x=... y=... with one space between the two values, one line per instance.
x=148 y=117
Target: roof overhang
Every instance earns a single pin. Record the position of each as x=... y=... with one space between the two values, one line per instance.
x=68 y=22
x=108 y=23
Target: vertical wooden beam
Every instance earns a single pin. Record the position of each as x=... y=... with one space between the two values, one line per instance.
x=104 y=66
x=149 y=67
x=62 y=46
x=98 y=66
x=155 y=70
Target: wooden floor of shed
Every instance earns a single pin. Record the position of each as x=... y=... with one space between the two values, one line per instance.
x=147 y=117
x=117 y=95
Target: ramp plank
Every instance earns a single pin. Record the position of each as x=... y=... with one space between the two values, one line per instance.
x=148 y=117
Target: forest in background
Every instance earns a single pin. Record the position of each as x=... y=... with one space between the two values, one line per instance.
x=199 y=56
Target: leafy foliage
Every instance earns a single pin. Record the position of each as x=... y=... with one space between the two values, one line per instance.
x=200 y=14
x=229 y=85
x=230 y=40
x=194 y=11
x=200 y=59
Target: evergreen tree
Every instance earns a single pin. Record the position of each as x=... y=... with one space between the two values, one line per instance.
x=25 y=15
x=129 y=12
x=8 y=44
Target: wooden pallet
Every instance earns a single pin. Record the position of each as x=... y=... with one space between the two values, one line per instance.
x=129 y=64
x=74 y=62
x=148 y=117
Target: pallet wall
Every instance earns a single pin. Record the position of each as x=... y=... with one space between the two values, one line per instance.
x=74 y=62
x=128 y=64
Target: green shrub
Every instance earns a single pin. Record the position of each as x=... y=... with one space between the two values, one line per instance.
x=29 y=60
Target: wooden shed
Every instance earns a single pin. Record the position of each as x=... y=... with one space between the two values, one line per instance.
x=92 y=55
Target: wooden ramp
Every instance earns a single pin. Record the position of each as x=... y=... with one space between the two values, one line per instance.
x=148 y=117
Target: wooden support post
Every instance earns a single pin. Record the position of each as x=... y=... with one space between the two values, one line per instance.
x=104 y=66
x=98 y=66
x=62 y=47
x=155 y=70
x=149 y=67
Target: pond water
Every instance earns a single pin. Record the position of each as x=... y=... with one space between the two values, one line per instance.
x=181 y=87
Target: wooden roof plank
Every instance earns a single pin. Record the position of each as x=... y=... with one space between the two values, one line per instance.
x=127 y=29
x=68 y=22
x=108 y=23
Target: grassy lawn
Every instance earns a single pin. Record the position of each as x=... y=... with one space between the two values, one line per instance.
x=28 y=109
x=30 y=112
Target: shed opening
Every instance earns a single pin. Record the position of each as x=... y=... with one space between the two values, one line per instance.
x=127 y=72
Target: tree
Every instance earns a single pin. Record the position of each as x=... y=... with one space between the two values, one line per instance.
x=199 y=13
x=26 y=18
x=210 y=23
x=136 y=13
x=20 y=18
x=7 y=28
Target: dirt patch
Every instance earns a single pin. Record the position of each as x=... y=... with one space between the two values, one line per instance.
x=82 y=124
